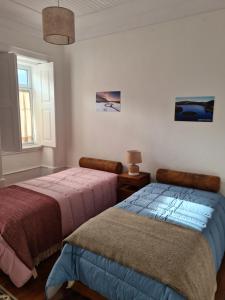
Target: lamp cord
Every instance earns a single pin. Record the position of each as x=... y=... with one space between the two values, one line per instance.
x=58 y=3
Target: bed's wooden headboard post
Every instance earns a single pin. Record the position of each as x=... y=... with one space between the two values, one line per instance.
x=101 y=164
x=198 y=181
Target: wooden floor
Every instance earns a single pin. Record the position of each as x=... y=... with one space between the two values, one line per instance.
x=34 y=289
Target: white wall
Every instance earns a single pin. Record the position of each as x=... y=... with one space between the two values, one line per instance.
x=21 y=166
x=151 y=66
x=15 y=166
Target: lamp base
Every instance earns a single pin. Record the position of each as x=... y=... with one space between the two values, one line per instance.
x=133 y=170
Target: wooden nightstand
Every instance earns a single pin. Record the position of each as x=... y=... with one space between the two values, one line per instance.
x=127 y=185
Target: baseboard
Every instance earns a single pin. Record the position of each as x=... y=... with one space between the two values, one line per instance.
x=21 y=175
x=28 y=173
x=46 y=170
x=20 y=171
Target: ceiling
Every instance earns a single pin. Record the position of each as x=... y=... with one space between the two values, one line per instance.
x=80 y=7
x=102 y=17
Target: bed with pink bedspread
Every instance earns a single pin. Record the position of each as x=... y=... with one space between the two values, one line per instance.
x=81 y=193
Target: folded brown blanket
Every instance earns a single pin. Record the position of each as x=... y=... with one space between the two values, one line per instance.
x=29 y=222
x=176 y=256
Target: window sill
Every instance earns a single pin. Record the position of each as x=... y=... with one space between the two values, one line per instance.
x=25 y=149
x=30 y=147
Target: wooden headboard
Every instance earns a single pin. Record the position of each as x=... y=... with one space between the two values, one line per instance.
x=101 y=164
x=198 y=181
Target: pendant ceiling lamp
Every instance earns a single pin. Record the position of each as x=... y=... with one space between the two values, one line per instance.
x=58 y=25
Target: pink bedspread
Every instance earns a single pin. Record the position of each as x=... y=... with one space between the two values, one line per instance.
x=81 y=193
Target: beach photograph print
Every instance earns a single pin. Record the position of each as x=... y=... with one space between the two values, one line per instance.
x=195 y=109
x=108 y=101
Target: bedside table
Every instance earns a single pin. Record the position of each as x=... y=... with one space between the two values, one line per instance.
x=127 y=185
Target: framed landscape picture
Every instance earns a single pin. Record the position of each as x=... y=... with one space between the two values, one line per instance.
x=195 y=109
x=108 y=101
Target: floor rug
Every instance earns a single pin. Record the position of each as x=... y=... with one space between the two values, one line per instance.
x=5 y=295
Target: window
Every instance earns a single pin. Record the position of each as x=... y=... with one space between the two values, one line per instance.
x=27 y=102
x=26 y=105
x=36 y=101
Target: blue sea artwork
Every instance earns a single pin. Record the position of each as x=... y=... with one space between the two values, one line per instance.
x=195 y=109
x=108 y=101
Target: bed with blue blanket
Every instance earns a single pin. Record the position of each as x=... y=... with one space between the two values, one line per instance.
x=187 y=207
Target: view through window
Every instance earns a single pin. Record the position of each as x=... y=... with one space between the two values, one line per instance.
x=25 y=100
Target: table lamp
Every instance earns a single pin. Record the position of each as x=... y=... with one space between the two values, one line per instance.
x=133 y=158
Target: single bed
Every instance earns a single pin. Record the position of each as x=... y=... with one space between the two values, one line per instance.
x=78 y=194
x=197 y=208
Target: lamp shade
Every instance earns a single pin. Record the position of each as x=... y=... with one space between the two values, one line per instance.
x=134 y=157
x=58 y=25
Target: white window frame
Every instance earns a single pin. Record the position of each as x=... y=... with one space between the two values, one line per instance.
x=28 y=88
x=42 y=83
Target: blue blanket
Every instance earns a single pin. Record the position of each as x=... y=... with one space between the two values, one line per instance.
x=199 y=210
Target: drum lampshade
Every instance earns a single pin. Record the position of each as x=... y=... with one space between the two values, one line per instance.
x=134 y=157
x=58 y=25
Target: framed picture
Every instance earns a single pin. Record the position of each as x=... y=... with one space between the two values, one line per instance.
x=195 y=109
x=108 y=101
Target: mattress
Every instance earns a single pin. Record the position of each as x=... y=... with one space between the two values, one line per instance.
x=81 y=193
x=191 y=208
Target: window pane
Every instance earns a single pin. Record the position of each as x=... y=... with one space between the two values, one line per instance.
x=26 y=117
x=23 y=77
